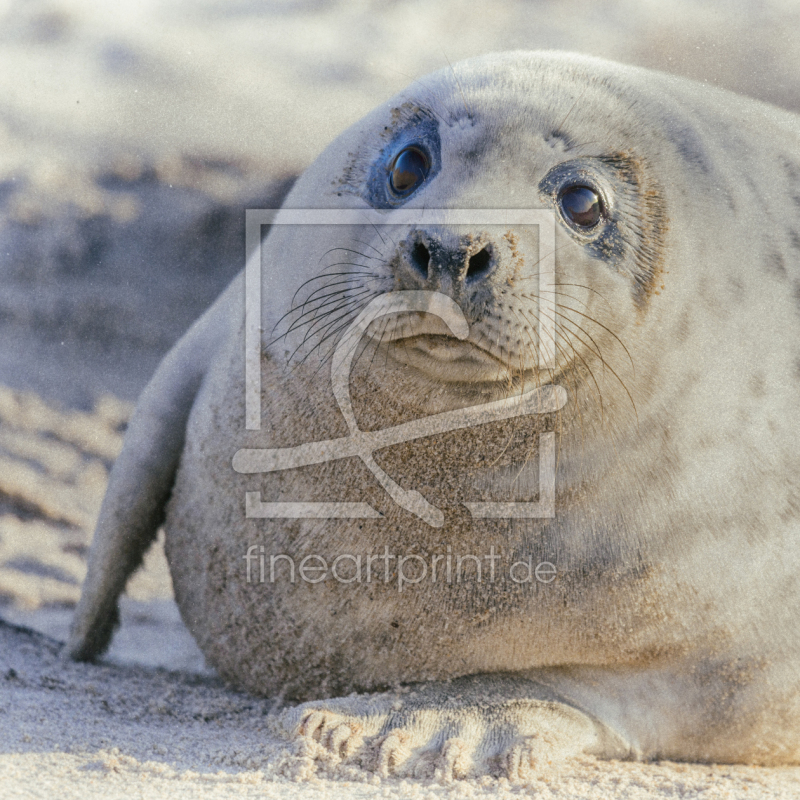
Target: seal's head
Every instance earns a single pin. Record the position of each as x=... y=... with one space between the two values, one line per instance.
x=501 y=133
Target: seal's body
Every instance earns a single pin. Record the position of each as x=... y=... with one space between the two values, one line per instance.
x=662 y=619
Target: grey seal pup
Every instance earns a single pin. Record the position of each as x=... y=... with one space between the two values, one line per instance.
x=653 y=611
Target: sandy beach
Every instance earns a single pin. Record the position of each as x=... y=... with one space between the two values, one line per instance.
x=134 y=136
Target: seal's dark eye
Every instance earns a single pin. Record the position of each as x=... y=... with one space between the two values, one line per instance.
x=409 y=169
x=581 y=206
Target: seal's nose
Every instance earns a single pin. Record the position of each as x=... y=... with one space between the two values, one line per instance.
x=447 y=263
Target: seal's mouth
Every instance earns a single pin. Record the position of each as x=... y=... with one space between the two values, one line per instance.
x=446 y=349
x=423 y=342
x=446 y=359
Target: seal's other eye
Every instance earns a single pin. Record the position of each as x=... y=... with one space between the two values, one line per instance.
x=409 y=170
x=581 y=206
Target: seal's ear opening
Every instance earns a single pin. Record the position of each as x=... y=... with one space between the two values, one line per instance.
x=142 y=479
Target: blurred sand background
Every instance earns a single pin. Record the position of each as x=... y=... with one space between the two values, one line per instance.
x=132 y=137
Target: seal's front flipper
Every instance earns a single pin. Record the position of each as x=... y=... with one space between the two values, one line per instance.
x=142 y=479
x=502 y=725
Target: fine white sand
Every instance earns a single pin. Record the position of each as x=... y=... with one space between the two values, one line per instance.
x=83 y=731
x=132 y=137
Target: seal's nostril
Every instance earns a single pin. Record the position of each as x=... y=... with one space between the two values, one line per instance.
x=420 y=258
x=479 y=264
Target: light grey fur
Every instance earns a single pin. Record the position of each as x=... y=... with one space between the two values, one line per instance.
x=671 y=628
